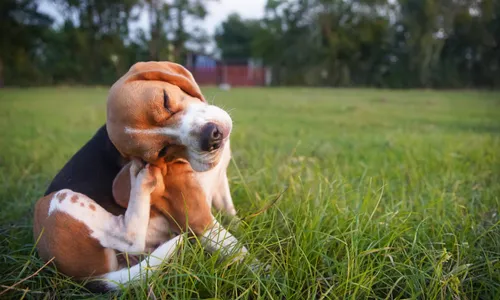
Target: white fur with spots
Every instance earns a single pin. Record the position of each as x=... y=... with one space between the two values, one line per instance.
x=125 y=233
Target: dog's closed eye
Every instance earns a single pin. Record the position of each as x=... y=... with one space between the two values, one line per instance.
x=166 y=102
x=163 y=152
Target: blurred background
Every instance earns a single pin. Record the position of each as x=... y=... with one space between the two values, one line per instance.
x=379 y=43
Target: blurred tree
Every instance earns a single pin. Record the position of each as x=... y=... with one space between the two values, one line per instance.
x=234 y=38
x=23 y=30
x=158 y=12
x=355 y=38
x=426 y=24
x=101 y=27
x=384 y=43
x=169 y=32
x=404 y=43
x=471 y=53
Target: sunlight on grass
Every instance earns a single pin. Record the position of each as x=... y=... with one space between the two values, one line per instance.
x=388 y=194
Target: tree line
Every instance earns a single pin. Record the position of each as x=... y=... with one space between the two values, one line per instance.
x=94 y=44
x=379 y=43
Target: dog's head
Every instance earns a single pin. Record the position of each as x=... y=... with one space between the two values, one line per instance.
x=157 y=110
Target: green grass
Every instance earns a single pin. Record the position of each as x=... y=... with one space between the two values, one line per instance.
x=390 y=194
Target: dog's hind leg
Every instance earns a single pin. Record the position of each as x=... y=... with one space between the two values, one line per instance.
x=125 y=233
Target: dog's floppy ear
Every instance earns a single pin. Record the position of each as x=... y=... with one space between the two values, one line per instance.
x=121 y=186
x=166 y=71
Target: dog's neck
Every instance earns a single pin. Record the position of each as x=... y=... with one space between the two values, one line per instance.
x=183 y=198
x=209 y=179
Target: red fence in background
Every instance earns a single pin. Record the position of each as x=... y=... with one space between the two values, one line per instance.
x=232 y=74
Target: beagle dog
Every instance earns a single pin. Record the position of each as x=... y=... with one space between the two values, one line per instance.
x=104 y=202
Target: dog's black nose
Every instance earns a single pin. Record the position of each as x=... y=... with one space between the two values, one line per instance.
x=211 y=137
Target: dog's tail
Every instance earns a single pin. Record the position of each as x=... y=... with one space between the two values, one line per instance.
x=123 y=277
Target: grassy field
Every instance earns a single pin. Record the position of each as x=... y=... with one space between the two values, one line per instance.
x=390 y=194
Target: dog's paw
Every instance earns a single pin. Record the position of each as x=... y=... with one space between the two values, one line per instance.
x=254 y=265
x=258 y=266
x=236 y=257
x=144 y=178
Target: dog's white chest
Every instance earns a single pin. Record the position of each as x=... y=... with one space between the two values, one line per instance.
x=214 y=180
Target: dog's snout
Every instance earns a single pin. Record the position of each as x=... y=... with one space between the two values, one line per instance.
x=211 y=137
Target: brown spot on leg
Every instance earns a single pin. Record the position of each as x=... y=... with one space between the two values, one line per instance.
x=92 y=207
x=74 y=198
x=77 y=253
x=61 y=196
x=81 y=204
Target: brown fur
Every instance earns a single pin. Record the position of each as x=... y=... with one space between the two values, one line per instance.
x=136 y=101
x=179 y=198
x=61 y=197
x=68 y=241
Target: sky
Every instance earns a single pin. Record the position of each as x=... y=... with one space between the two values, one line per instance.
x=217 y=12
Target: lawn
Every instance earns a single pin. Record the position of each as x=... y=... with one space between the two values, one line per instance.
x=386 y=194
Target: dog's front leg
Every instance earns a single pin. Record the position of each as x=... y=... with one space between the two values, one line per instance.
x=127 y=232
x=222 y=200
x=218 y=238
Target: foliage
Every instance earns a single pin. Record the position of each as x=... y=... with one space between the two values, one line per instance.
x=169 y=30
x=94 y=44
x=381 y=43
x=390 y=194
x=235 y=37
x=405 y=43
x=23 y=29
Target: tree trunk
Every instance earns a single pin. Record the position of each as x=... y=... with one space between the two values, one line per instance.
x=1 y=73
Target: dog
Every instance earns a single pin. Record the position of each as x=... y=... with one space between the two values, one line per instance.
x=155 y=113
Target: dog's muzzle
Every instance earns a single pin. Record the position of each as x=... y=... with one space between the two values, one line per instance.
x=205 y=129
x=212 y=136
